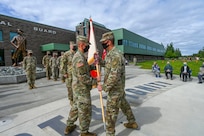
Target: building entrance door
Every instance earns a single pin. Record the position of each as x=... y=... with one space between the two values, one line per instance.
x=2 y=61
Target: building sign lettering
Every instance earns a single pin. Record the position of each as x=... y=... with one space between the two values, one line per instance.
x=5 y=23
x=44 y=30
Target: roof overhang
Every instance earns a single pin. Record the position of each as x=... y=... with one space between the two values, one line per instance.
x=55 y=47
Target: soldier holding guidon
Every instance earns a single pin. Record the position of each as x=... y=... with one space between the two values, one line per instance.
x=82 y=84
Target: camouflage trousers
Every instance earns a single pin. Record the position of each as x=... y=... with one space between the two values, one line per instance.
x=48 y=72
x=69 y=88
x=61 y=75
x=55 y=73
x=115 y=101
x=31 y=75
x=81 y=109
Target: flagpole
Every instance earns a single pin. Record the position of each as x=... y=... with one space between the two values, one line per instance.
x=101 y=98
x=92 y=41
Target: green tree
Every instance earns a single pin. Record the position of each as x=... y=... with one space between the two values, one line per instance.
x=178 y=53
x=201 y=53
x=171 y=52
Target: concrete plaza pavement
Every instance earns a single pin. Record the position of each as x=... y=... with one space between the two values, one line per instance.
x=162 y=108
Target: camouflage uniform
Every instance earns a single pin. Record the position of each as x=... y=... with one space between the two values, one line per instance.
x=59 y=59
x=114 y=85
x=45 y=62
x=82 y=84
x=66 y=68
x=29 y=65
x=54 y=66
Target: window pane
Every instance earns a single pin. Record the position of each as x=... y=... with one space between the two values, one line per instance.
x=1 y=36
x=120 y=42
x=12 y=34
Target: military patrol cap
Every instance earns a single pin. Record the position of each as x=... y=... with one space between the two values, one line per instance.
x=107 y=36
x=29 y=51
x=72 y=43
x=82 y=39
x=55 y=53
x=62 y=52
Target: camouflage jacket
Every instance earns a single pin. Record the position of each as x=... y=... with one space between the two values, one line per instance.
x=53 y=62
x=81 y=73
x=46 y=60
x=66 y=62
x=114 y=71
x=29 y=63
x=59 y=61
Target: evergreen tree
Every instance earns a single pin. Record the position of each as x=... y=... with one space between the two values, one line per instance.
x=171 y=52
x=201 y=53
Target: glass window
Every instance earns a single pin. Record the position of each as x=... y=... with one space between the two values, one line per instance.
x=1 y=36
x=141 y=46
x=120 y=42
x=149 y=48
x=12 y=34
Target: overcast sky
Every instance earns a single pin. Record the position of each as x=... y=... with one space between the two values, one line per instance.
x=163 y=21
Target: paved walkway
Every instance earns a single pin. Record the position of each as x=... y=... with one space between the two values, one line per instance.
x=162 y=108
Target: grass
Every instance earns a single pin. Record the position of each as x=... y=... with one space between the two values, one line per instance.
x=176 y=64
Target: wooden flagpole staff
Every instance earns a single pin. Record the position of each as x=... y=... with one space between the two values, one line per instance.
x=100 y=92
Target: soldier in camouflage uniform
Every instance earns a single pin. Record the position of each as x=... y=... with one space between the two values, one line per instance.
x=29 y=65
x=66 y=68
x=114 y=85
x=82 y=84
x=59 y=59
x=54 y=66
x=45 y=62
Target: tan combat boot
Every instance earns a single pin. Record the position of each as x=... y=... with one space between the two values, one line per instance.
x=69 y=129
x=30 y=87
x=131 y=125
x=88 y=134
x=34 y=86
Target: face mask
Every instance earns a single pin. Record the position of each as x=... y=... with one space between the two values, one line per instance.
x=105 y=45
x=74 y=48
x=86 y=48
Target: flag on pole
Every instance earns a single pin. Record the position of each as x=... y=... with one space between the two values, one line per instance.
x=92 y=48
x=91 y=53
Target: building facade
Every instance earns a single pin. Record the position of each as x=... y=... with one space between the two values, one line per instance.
x=133 y=45
x=35 y=33
x=41 y=38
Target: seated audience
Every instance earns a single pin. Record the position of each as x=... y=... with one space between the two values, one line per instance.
x=185 y=71
x=168 y=69
x=156 y=69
